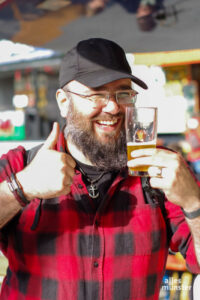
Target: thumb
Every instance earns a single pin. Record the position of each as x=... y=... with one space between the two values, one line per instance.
x=53 y=137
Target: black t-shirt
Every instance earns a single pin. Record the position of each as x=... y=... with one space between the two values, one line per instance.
x=102 y=184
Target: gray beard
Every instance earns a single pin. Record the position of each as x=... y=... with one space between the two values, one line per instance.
x=108 y=156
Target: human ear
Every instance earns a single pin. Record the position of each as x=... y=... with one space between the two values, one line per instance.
x=62 y=102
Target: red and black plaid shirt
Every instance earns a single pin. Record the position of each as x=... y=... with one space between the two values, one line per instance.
x=76 y=252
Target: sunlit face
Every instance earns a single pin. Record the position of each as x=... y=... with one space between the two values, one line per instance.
x=98 y=132
x=106 y=121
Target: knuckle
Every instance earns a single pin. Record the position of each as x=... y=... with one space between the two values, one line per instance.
x=63 y=169
x=70 y=180
x=63 y=181
x=63 y=157
x=66 y=181
x=70 y=160
x=72 y=173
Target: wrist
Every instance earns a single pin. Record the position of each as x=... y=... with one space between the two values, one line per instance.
x=192 y=201
x=17 y=190
x=192 y=214
x=22 y=180
x=192 y=211
x=192 y=208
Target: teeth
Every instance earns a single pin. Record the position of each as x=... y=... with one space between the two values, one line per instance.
x=107 y=122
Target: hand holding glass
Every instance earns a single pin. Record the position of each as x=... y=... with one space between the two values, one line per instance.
x=141 y=133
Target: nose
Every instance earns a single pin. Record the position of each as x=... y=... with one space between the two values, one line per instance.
x=112 y=106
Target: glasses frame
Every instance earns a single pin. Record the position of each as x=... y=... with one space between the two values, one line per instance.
x=107 y=96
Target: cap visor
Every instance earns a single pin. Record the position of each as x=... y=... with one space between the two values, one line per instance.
x=101 y=77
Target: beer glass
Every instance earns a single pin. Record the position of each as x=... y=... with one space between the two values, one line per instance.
x=141 y=133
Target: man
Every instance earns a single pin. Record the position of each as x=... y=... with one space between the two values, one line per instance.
x=145 y=15
x=74 y=224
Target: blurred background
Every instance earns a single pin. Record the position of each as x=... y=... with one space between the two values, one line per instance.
x=162 y=42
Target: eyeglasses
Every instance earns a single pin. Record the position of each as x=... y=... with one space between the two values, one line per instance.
x=123 y=97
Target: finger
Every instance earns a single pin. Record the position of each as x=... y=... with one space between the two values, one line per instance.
x=67 y=160
x=155 y=172
x=71 y=161
x=52 y=138
x=158 y=183
x=152 y=151
x=67 y=174
x=67 y=182
x=159 y=172
x=67 y=190
x=143 y=152
x=71 y=172
x=148 y=161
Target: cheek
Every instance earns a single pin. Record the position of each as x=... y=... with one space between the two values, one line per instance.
x=86 y=110
x=89 y=113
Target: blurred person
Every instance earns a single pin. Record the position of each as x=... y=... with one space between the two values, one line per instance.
x=94 y=7
x=145 y=15
x=74 y=224
x=179 y=147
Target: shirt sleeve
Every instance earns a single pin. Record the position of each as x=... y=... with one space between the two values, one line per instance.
x=180 y=236
x=12 y=162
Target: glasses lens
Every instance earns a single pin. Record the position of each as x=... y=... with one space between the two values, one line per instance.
x=126 y=97
x=99 y=99
x=122 y=97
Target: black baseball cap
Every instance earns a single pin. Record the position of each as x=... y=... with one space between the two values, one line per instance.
x=95 y=62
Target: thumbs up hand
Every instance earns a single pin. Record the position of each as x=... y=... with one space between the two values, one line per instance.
x=50 y=173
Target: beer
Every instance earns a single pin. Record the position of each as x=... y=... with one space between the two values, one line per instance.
x=141 y=133
x=141 y=170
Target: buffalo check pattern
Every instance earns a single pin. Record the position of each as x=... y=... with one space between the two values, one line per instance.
x=75 y=252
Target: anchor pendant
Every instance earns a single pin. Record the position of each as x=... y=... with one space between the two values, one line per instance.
x=93 y=191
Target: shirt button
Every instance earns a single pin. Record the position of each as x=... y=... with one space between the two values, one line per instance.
x=96 y=264
x=80 y=186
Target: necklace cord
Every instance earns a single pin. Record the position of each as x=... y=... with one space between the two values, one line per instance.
x=93 y=189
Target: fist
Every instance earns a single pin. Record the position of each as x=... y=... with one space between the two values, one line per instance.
x=50 y=173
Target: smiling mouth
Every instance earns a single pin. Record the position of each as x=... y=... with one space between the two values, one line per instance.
x=107 y=122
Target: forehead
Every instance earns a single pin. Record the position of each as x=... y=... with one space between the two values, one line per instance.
x=114 y=85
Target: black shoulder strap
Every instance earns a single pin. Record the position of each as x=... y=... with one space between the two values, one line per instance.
x=30 y=154
x=151 y=195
